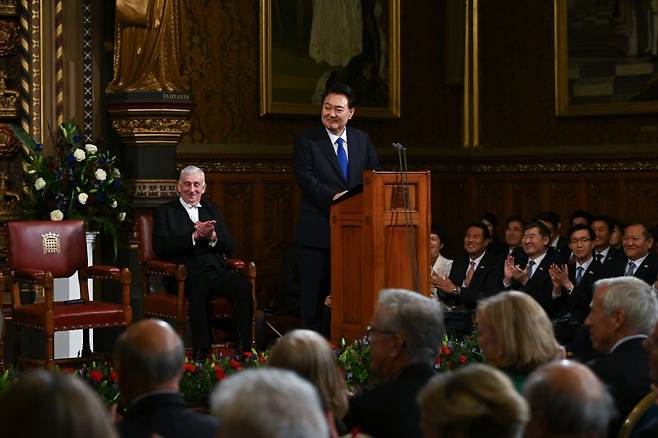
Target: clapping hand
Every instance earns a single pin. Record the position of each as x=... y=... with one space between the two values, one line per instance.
x=560 y=276
x=442 y=282
x=514 y=271
x=205 y=230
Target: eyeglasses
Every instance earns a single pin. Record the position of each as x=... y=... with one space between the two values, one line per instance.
x=370 y=330
x=582 y=241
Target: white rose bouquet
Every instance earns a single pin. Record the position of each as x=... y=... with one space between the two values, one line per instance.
x=81 y=181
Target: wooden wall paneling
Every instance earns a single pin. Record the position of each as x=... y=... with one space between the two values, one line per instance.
x=643 y=200
x=448 y=205
x=603 y=196
x=526 y=195
x=490 y=194
x=563 y=199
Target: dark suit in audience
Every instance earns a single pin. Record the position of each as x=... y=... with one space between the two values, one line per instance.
x=647 y=271
x=394 y=398
x=540 y=286
x=166 y=414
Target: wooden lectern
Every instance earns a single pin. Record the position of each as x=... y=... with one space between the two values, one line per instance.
x=377 y=243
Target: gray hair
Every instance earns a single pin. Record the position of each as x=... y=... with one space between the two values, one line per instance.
x=147 y=367
x=586 y=407
x=418 y=319
x=189 y=170
x=635 y=298
x=268 y=403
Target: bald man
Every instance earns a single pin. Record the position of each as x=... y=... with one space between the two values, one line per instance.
x=149 y=359
x=566 y=399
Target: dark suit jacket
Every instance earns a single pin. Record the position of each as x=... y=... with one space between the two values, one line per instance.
x=577 y=303
x=487 y=279
x=168 y=415
x=540 y=286
x=390 y=409
x=172 y=237
x=647 y=272
x=626 y=374
x=319 y=177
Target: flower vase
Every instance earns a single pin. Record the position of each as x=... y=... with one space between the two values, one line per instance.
x=69 y=343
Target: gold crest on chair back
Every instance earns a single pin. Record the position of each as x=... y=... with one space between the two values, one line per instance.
x=39 y=252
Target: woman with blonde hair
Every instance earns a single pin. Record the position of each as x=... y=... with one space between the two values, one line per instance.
x=474 y=401
x=309 y=355
x=516 y=335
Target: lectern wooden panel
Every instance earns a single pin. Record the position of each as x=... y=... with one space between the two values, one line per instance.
x=378 y=241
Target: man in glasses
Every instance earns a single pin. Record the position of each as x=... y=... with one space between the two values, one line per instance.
x=405 y=336
x=573 y=283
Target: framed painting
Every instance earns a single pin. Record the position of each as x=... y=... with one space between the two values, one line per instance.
x=306 y=46
x=606 y=57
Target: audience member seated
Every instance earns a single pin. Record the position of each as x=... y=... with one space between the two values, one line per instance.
x=491 y=222
x=473 y=276
x=55 y=405
x=581 y=217
x=514 y=239
x=638 y=261
x=149 y=358
x=651 y=345
x=567 y=400
x=308 y=354
x=534 y=278
x=617 y=234
x=604 y=252
x=267 y=403
x=558 y=244
x=516 y=335
x=623 y=313
x=573 y=285
x=472 y=402
x=440 y=265
x=405 y=335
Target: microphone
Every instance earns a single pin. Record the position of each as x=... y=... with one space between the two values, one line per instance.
x=413 y=255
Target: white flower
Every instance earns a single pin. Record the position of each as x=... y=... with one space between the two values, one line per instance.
x=100 y=175
x=91 y=148
x=82 y=198
x=116 y=173
x=114 y=204
x=40 y=183
x=122 y=216
x=79 y=154
x=56 y=215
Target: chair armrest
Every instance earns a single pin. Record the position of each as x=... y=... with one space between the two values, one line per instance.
x=35 y=275
x=165 y=268
x=236 y=264
x=104 y=272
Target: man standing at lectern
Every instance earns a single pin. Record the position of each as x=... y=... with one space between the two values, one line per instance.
x=329 y=161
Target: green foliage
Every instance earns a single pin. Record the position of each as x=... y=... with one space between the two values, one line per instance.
x=354 y=361
x=103 y=378
x=457 y=352
x=77 y=182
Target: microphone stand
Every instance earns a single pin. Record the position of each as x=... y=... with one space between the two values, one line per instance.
x=413 y=256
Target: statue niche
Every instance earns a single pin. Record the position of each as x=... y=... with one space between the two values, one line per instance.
x=147 y=54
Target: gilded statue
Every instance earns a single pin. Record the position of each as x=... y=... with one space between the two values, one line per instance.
x=147 y=53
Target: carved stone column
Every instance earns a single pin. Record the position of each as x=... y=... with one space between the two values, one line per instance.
x=150 y=125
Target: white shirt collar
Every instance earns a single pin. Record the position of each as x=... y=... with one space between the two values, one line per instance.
x=627 y=338
x=188 y=206
x=477 y=260
x=538 y=259
x=604 y=253
x=333 y=137
x=639 y=261
x=585 y=264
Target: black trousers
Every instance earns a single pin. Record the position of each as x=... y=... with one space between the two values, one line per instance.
x=314 y=284
x=201 y=288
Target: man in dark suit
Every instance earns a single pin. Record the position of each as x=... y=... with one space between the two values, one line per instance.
x=405 y=336
x=573 y=286
x=623 y=313
x=638 y=261
x=329 y=161
x=149 y=358
x=533 y=278
x=651 y=345
x=557 y=243
x=192 y=232
x=477 y=274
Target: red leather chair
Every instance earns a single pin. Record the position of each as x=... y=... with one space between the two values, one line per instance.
x=159 y=303
x=40 y=251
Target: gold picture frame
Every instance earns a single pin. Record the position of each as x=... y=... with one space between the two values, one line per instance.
x=605 y=63
x=360 y=48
